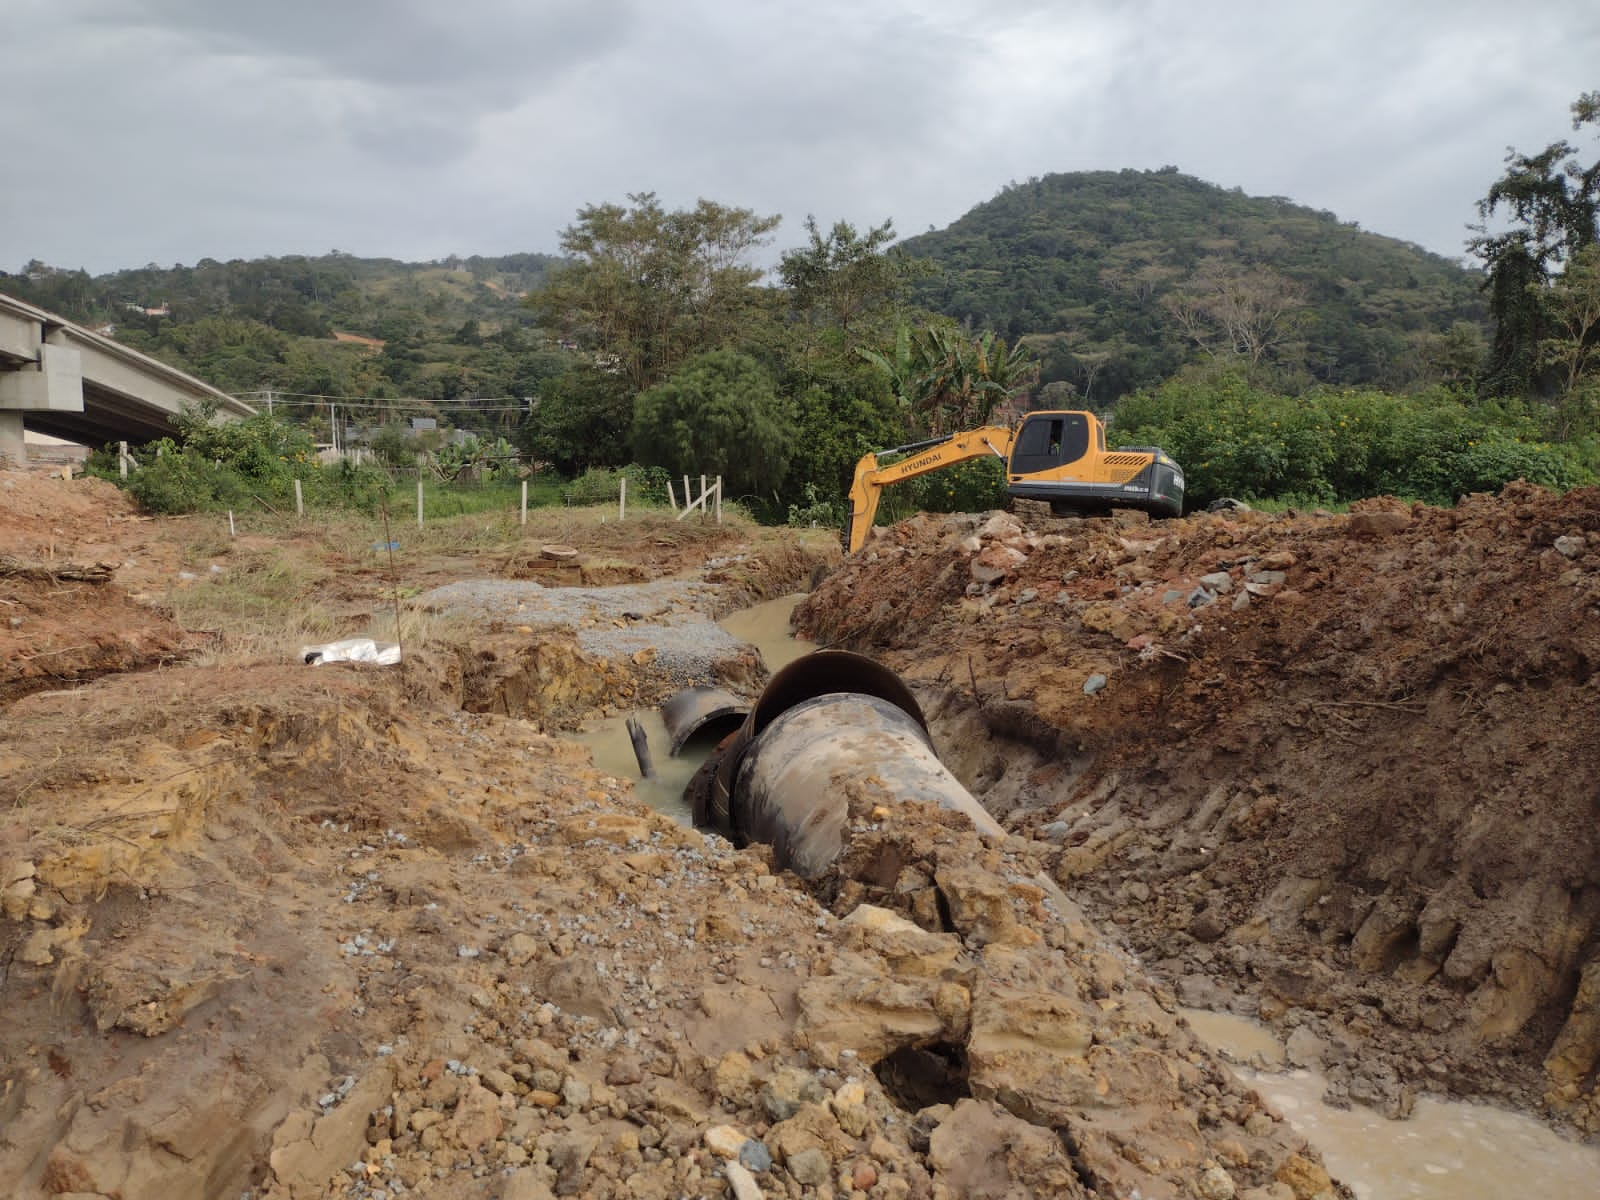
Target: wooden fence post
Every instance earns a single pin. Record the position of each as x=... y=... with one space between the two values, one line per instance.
x=622 y=499
x=524 y=502
x=719 y=499
x=419 y=499
x=299 y=500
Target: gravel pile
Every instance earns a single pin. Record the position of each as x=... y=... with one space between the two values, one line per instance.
x=668 y=616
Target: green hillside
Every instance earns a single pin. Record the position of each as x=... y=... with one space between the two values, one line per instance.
x=1117 y=277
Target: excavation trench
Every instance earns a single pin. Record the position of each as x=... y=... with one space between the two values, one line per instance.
x=1447 y=1149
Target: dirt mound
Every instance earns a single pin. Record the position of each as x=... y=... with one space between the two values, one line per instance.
x=290 y=931
x=1341 y=764
x=45 y=516
x=286 y=933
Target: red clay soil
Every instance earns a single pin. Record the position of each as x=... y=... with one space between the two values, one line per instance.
x=1343 y=766
x=285 y=932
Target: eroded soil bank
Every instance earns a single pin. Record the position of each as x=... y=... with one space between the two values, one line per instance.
x=1337 y=772
x=287 y=931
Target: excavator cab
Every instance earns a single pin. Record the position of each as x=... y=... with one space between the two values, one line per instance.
x=1047 y=441
x=1061 y=457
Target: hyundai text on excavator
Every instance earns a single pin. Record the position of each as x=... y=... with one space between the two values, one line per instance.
x=1059 y=457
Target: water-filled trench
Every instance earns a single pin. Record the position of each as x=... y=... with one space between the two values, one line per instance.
x=764 y=626
x=1446 y=1150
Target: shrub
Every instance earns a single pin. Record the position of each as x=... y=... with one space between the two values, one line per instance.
x=1235 y=440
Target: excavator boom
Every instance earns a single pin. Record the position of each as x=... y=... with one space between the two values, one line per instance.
x=870 y=479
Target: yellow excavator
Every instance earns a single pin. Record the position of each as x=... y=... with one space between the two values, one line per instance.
x=1059 y=457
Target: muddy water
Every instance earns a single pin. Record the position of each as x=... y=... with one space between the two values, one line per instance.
x=1446 y=1150
x=764 y=626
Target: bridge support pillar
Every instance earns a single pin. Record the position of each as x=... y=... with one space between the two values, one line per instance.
x=13 y=450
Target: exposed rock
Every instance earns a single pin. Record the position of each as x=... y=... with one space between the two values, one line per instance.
x=995 y=563
x=724 y=1141
x=569 y=1155
x=983 y=907
x=1215 y=1184
x=809 y=1167
x=788 y=1091
x=1304 y=1049
x=1304 y=1177
x=1208 y=925
x=308 y=1150
x=520 y=949
x=476 y=1121
x=1000 y=525
x=905 y=947
x=741 y=1182
x=983 y=1152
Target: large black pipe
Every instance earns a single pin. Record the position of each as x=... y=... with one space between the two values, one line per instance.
x=829 y=726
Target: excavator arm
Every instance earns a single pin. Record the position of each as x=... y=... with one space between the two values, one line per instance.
x=871 y=479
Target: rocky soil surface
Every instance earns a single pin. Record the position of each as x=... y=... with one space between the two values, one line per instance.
x=1335 y=771
x=271 y=930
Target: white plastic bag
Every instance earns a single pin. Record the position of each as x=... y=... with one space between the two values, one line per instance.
x=363 y=650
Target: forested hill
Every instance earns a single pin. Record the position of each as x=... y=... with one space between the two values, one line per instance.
x=1119 y=277
x=1116 y=279
x=456 y=327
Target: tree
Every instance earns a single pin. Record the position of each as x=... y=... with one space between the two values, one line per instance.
x=849 y=282
x=1238 y=312
x=1572 y=347
x=719 y=414
x=837 y=421
x=651 y=287
x=580 y=419
x=1553 y=201
x=953 y=381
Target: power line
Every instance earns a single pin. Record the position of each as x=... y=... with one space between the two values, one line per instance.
x=275 y=394
x=390 y=406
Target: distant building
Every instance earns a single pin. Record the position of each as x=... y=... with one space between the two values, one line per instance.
x=424 y=424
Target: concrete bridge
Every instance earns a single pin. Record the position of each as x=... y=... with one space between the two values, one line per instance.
x=70 y=382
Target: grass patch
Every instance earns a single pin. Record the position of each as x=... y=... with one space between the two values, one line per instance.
x=263 y=605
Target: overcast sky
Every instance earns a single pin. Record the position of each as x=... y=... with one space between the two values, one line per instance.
x=167 y=131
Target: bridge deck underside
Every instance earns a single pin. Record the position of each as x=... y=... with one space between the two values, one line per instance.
x=107 y=416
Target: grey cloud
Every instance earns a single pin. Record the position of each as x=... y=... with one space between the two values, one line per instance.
x=169 y=129
x=493 y=47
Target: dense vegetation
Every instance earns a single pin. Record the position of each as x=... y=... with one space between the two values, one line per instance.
x=1120 y=277
x=443 y=331
x=1273 y=350
x=1338 y=445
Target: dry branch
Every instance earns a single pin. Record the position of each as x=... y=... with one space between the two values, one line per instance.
x=15 y=568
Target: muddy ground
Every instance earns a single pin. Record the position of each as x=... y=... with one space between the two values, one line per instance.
x=1338 y=772
x=277 y=930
